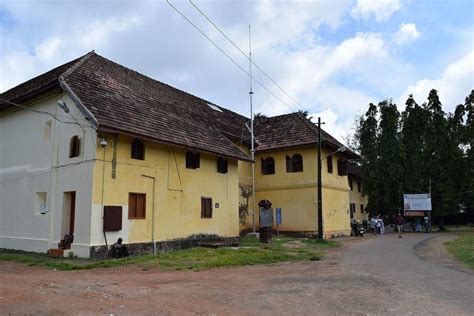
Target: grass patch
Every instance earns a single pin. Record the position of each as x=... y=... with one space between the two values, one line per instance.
x=463 y=248
x=251 y=252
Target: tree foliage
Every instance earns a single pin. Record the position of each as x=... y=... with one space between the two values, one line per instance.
x=406 y=152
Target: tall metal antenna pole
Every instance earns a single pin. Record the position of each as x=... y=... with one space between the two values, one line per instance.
x=252 y=146
x=320 y=185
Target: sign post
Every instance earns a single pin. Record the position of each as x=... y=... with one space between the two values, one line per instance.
x=278 y=220
x=416 y=204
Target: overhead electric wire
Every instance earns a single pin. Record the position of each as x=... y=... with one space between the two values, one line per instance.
x=228 y=56
x=44 y=113
x=243 y=53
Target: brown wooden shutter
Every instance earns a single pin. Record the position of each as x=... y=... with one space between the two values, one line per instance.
x=197 y=160
x=132 y=205
x=330 y=166
x=112 y=218
x=203 y=208
x=141 y=205
x=209 y=208
x=206 y=207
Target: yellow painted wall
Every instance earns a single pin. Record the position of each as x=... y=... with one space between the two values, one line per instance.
x=245 y=178
x=356 y=197
x=296 y=193
x=178 y=191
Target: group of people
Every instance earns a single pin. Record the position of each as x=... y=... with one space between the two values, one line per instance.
x=377 y=225
x=426 y=222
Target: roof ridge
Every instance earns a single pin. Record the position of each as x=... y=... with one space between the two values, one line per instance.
x=71 y=69
x=309 y=124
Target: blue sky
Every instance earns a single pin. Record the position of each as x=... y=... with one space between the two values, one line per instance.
x=334 y=57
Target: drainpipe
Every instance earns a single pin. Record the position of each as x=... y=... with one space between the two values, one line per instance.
x=153 y=240
x=102 y=202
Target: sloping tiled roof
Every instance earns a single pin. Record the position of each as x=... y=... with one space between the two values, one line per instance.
x=290 y=130
x=123 y=100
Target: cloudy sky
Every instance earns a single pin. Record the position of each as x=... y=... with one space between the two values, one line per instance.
x=332 y=57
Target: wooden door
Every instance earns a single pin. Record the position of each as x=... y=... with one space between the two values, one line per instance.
x=73 y=213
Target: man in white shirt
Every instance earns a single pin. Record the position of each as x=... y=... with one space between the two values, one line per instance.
x=427 y=223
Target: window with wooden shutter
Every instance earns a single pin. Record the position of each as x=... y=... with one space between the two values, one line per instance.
x=268 y=165
x=74 y=147
x=112 y=218
x=362 y=208
x=341 y=167
x=192 y=160
x=294 y=163
x=330 y=167
x=350 y=183
x=138 y=149
x=206 y=207
x=358 y=186
x=222 y=165
x=136 y=205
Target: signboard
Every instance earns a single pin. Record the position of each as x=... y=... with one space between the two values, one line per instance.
x=414 y=213
x=417 y=202
x=278 y=216
x=266 y=217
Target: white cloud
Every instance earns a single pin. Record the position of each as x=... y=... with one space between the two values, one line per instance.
x=381 y=10
x=23 y=63
x=297 y=43
x=407 y=33
x=48 y=49
x=333 y=124
x=100 y=31
x=453 y=86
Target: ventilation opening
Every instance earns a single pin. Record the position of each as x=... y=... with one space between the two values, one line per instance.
x=214 y=107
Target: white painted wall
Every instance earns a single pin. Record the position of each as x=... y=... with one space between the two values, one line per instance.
x=34 y=157
x=97 y=235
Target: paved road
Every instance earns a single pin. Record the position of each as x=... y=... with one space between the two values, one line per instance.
x=411 y=285
x=373 y=276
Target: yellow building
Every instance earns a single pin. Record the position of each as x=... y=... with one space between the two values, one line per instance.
x=286 y=175
x=357 y=200
x=108 y=153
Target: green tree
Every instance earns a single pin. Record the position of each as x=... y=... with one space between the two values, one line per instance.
x=389 y=165
x=468 y=142
x=437 y=157
x=366 y=135
x=413 y=138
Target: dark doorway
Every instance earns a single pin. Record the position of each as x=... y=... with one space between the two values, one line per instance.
x=73 y=213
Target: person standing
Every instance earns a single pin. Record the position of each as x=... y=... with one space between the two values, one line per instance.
x=418 y=225
x=427 y=223
x=373 y=226
x=399 y=221
x=382 y=225
x=378 y=225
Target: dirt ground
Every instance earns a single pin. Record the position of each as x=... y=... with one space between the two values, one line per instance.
x=362 y=277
